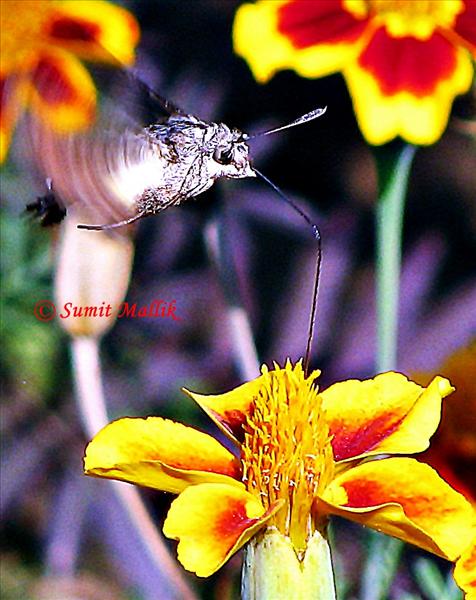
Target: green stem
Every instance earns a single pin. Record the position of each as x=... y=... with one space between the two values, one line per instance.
x=393 y=177
x=393 y=165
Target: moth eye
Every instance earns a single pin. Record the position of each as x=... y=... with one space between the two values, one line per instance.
x=223 y=157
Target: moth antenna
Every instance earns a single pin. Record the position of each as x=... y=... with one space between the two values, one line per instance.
x=112 y=225
x=310 y=116
x=317 y=236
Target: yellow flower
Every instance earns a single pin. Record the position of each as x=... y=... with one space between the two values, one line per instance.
x=41 y=42
x=404 y=60
x=302 y=455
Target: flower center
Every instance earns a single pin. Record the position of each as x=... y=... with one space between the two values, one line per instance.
x=286 y=452
x=417 y=18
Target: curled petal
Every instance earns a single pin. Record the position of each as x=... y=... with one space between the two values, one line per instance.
x=211 y=522
x=229 y=410
x=406 y=499
x=94 y=30
x=314 y=38
x=396 y=95
x=465 y=571
x=160 y=454
x=387 y=414
x=63 y=94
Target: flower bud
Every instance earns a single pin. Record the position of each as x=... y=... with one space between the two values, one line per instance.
x=272 y=569
x=92 y=277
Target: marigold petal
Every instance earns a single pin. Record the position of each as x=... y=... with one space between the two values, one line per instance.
x=21 y=23
x=94 y=30
x=211 y=522
x=408 y=64
x=63 y=94
x=397 y=89
x=12 y=103
x=160 y=454
x=465 y=24
x=465 y=571
x=261 y=35
x=405 y=499
x=325 y=22
x=229 y=410
x=387 y=414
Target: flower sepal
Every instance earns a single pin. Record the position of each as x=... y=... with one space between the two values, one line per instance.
x=272 y=570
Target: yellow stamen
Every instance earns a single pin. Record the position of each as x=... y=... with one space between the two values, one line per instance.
x=286 y=452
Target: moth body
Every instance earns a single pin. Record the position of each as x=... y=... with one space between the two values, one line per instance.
x=141 y=172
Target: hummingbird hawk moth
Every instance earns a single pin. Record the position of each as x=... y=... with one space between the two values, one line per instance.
x=122 y=171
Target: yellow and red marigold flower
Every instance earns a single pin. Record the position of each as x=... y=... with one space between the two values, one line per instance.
x=453 y=449
x=404 y=60
x=302 y=455
x=41 y=44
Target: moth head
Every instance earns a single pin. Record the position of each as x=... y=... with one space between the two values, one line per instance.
x=213 y=149
x=228 y=154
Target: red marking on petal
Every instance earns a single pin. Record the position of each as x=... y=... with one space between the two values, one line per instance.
x=366 y=493
x=234 y=419
x=311 y=23
x=3 y=87
x=233 y=520
x=362 y=493
x=408 y=64
x=232 y=469
x=465 y=24
x=349 y=443
x=52 y=83
x=66 y=28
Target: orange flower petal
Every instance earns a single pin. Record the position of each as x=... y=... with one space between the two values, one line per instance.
x=12 y=103
x=211 y=522
x=387 y=414
x=465 y=571
x=159 y=453
x=278 y=35
x=21 y=23
x=465 y=25
x=453 y=448
x=396 y=95
x=94 y=30
x=405 y=499
x=63 y=94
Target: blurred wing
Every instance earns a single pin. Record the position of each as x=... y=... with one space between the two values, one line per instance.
x=102 y=171
x=133 y=96
x=107 y=166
